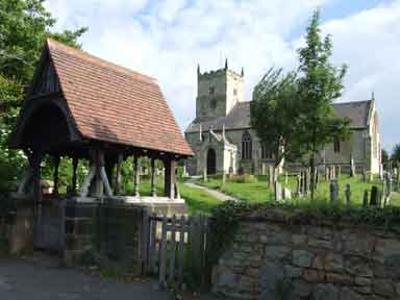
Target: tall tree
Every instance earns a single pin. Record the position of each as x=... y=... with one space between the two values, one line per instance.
x=24 y=26
x=319 y=84
x=395 y=157
x=274 y=114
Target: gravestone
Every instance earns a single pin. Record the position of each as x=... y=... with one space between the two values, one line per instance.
x=277 y=191
x=374 y=196
x=334 y=191
x=352 y=166
x=298 y=185
x=365 y=199
x=348 y=194
x=271 y=176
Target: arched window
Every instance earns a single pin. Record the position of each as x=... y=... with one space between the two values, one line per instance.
x=246 y=145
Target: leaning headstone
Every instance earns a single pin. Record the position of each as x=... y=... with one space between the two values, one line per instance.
x=334 y=191
x=374 y=196
x=348 y=194
x=365 y=199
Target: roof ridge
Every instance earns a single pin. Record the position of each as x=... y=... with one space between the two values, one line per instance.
x=53 y=44
x=351 y=102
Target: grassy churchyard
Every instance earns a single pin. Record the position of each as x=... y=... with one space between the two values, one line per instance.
x=256 y=190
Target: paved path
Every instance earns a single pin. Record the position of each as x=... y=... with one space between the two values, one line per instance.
x=216 y=194
x=22 y=279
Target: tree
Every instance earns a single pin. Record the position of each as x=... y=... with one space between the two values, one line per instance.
x=24 y=26
x=274 y=112
x=385 y=157
x=395 y=157
x=319 y=84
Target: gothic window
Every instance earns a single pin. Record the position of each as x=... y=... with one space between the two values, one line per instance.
x=265 y=152
x=336 y=146
x=246 y=145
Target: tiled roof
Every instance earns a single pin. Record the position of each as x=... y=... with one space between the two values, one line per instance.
x=239 y=117
x=114 y=104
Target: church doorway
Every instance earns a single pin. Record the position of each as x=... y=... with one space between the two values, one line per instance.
x=211 y=162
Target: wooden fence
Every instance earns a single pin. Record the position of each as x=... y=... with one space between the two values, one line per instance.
x=176 y=250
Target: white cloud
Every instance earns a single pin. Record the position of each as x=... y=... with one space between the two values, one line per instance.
x=166 y=39
x=369 y=42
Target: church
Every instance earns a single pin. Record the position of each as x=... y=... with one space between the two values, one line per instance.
x=223 y=141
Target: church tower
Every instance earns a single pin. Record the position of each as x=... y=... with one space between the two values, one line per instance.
x=218 y=92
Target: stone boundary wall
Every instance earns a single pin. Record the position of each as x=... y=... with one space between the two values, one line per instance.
x=272 y=259
x=107 y=235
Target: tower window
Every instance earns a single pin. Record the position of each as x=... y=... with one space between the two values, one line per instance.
x=336 y=146
x=247 y=146
x=235 y=92
x=211 y=90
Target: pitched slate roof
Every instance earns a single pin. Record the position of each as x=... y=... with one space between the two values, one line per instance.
x=114 y=104
x=239 y=117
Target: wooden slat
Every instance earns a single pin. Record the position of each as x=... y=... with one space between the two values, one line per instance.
x=163 y=257
x=171 y=276
x=181 y=251
x=152 y=248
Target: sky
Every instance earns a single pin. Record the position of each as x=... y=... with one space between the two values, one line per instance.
x=166 y=39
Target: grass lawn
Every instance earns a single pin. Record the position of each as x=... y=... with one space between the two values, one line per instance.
x=256 y=192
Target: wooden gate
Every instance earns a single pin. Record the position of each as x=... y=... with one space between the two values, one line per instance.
x=49 y=227
x=176 y=251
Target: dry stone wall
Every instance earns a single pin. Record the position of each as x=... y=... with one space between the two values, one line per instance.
x=270 y=259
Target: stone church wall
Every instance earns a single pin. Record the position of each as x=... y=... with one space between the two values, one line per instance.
x=271 y=259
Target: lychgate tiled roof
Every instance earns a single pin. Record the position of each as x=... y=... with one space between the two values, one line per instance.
x=239 y=117
x=111 y=103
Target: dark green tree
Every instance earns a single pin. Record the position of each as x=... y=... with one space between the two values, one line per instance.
x=319 y=84
x=274 y=114
x=395 y=157
x=385 y=157
x=24 y=26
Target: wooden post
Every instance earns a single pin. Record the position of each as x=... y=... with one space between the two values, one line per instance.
x=117 y=184
x=348 y=194
x=163 y=252
x=153 y=178
x=169 y=178
x=277 y=191
x=74 y=173
x=172 y=253
x=181 y=250
x=35 y=159
x=136 y=175
x=55 y=174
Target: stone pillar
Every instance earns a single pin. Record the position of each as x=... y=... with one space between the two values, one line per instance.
x=153 y=178
x=55 y=174
x=169 y=178
x=136 y=175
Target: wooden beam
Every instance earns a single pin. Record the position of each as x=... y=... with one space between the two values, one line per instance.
x=153 y=178
x=118 y=178
x=169 y=177
x=75 y=162
x=136 y=175
x=55 y=174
